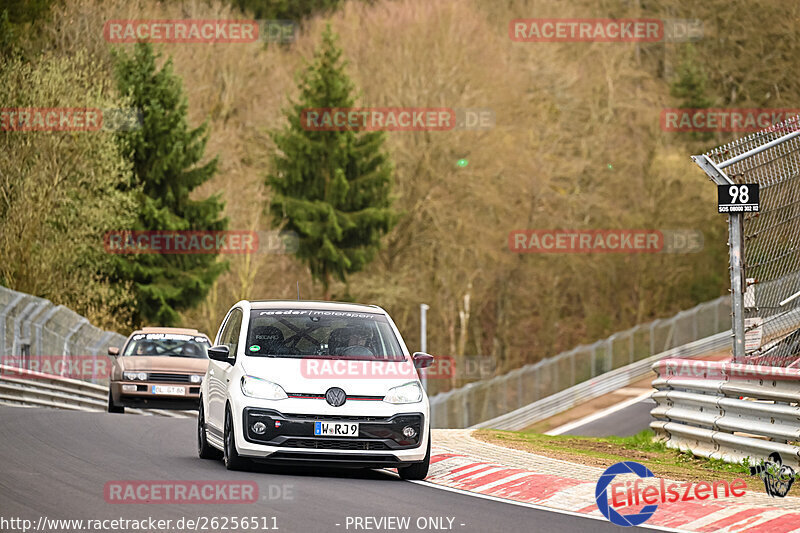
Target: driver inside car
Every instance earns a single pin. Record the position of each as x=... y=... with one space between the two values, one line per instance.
x=351 y=341
x=145 y=348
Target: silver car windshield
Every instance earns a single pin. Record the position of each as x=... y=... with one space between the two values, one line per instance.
x=168 y=345
x=314 y=333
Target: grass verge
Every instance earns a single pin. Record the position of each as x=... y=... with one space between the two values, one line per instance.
x=604 y=452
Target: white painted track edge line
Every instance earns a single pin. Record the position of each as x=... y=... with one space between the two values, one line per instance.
x=598 y=415
x=524 y=504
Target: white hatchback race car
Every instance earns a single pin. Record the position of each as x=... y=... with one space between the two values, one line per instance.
x=301 y=382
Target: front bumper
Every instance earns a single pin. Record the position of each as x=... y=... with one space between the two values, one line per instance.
x=144 y=397
x=290 y=439
x=297 y=431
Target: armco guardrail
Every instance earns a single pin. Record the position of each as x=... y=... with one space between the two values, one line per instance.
x=728 y=411
x=609 y=382
x=22 y=387
x=488 y=400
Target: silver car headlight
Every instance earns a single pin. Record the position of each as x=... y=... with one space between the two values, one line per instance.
x=261 y=388
x=196 y=378
x=409 y=392
x=133 y=376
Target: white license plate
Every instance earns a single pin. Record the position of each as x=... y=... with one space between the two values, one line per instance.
x=168 y=389
x=336 y=429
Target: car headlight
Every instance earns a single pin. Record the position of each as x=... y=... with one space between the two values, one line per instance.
x=133 y=376
x=195 y=378
x=261 y=388
x=409 y=392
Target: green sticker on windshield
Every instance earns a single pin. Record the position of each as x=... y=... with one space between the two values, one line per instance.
x=255 y=348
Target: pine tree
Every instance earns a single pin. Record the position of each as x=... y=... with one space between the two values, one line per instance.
x=295 y=10
x=20 y=17
x=690 y=86
x=165 y=154
x=333 y=188
x=690 y=82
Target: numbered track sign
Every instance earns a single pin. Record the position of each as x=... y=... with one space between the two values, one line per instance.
x=742 y=198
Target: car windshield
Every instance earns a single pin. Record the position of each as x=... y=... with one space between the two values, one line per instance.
x=168 y=345
x=313 y=333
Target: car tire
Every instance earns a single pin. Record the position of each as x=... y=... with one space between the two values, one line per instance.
x=417 y=471
x=231 y=458
x=112 y=408
x=204 y=449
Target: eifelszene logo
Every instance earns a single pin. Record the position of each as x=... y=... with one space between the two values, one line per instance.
x=630 y=494
x=777 y=477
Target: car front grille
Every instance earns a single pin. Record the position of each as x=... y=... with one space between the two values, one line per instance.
x=334 y=444
x=159 y=377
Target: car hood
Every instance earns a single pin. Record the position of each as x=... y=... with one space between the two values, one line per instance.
x=315 y=376
x=166 y=363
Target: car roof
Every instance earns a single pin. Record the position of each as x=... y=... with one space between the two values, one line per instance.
x=315 y=304
x=175 y=331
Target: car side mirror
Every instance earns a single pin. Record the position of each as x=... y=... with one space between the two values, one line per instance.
x=219 y=352
x=422 y=359
x=113 y=350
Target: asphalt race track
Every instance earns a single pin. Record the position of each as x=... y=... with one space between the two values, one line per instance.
x=623 y=423
x=56 y=463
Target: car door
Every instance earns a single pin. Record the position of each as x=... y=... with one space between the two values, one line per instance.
x=219 y=371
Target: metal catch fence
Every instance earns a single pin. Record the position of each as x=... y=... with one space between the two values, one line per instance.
x=764 y=244
x=488 y=399
x=32 y=327
x=748 y=408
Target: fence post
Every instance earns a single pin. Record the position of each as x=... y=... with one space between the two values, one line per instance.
x=3 y=313
x=632 y=343
x=653 y=336
x=19 y=324
x=737 y=284
x=572 y=367
x=555 y=365
x=465 y=404
x=65 y=356
x=736 y=246
x=39 y=326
